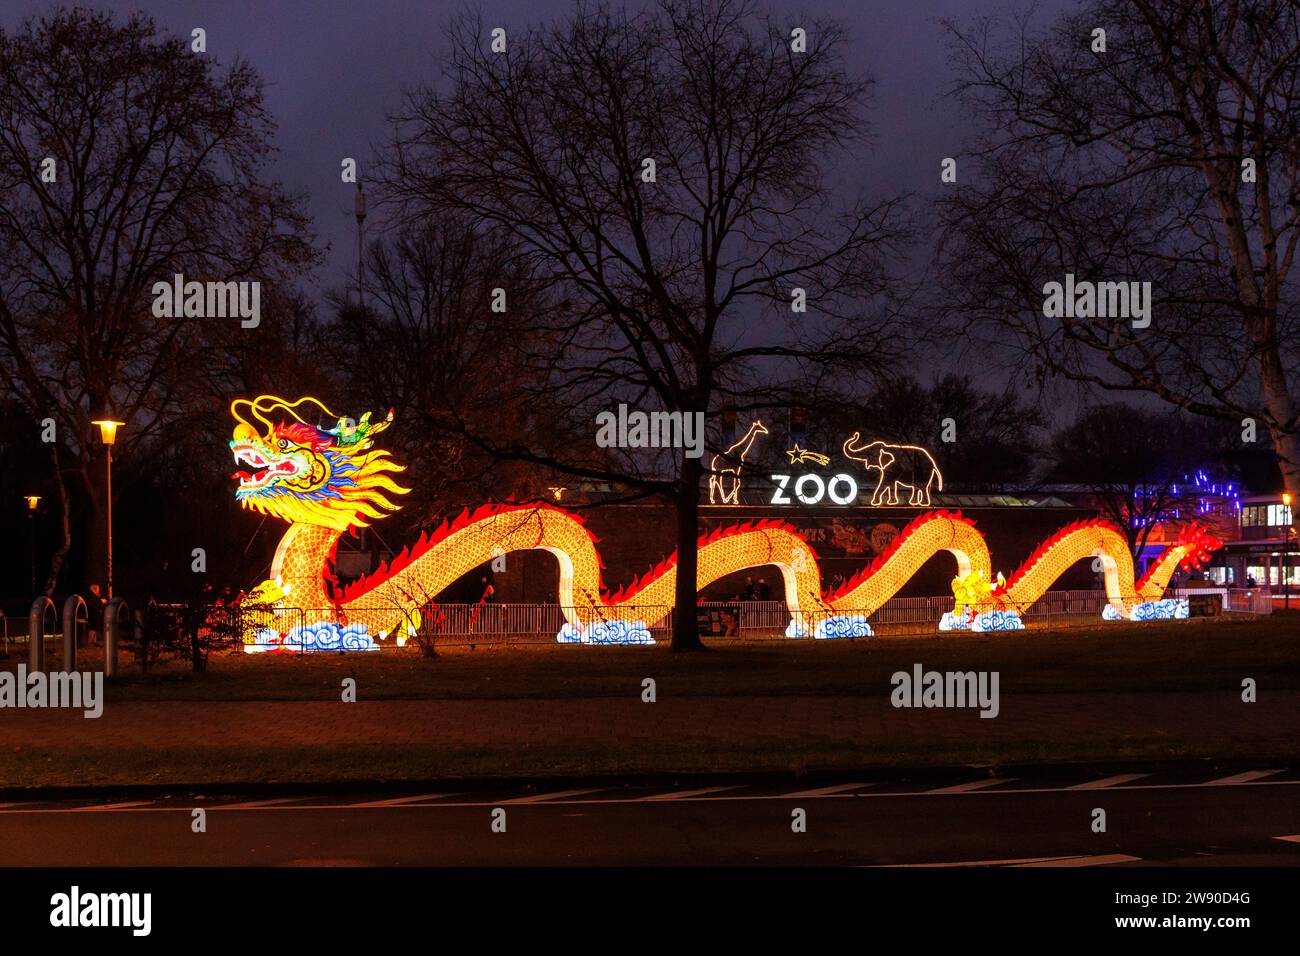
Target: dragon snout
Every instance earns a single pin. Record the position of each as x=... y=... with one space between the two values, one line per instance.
x=261 y=469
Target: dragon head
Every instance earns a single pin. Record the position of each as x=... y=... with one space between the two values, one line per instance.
x=1199 y=544
x=306 y=474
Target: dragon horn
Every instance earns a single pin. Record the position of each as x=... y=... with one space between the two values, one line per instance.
x=376 y=428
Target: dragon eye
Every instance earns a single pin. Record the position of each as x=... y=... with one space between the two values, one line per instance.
x=284 y=443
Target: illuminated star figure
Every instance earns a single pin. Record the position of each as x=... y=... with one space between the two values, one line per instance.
x=799 y=455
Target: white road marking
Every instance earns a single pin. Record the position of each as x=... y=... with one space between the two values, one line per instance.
x=1247 y=777
x=973 y=785
x=828 y=791
x=1289 y=839
x=1025 y=861
x=557 y=795
x=1103 y=860
x=1020 y=861
x=701 y=795
x=255 y=804
x=683 y=794
x=399 y=801
x=118 y=806
x=1105 y=782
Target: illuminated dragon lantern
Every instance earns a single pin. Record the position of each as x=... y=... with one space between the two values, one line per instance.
x=324 y=481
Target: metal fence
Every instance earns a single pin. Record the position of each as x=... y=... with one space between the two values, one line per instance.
x=440 y=625
x=508 y=624
x=1249 y=600
x=921 y=615
x=526 y=623
x=897 y=616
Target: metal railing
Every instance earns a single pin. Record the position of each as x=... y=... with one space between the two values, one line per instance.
x=327 y=629
x=525 y=623
x=921 y=615
x=77 y=623
x=1249 y=600
x=909 y=615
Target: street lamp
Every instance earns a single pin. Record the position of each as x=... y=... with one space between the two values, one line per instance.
x=108 y=426
x=1286 y=552
x=33 y=502
x=359 y=210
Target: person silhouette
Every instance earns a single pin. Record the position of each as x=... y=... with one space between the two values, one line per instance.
x=95 y=612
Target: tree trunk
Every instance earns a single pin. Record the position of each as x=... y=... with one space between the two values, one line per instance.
x=1277 y=400
x=198 y=659
x=686 y=631
x=95 y=526
x=143 y=641
x=1288 y=455
x=65 y=514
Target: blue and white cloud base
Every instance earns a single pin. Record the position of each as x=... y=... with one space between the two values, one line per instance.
x=323 y=636
x=843 y=625
x=992 y=620
x=606 y=632
x=1167 y=609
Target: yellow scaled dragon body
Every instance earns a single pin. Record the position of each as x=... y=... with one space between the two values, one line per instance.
x=324 y=481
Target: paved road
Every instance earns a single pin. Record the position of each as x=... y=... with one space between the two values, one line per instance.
x=1244 y=818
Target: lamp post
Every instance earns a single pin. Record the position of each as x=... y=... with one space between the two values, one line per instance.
x=33 y=502
x=1286 y=552
x=108 y=426
x=359 y=210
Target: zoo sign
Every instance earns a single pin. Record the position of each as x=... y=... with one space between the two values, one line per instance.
x=905 y=474
x=809 y=489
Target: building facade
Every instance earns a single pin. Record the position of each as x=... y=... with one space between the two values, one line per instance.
x=1264 y=550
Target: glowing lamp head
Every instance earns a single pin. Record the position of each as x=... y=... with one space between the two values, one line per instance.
x=1286 y=498
x=108 y=427
x=33 y=501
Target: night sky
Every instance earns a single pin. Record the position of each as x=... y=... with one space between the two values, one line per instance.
x=335 y=69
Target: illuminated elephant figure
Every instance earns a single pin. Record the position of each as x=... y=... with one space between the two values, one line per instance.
x=900 y=466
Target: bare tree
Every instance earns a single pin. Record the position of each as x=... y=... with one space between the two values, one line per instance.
x=428 y=331
x=1166 y=151
x=125 y=158
x=663 y=175
x=982 y=440
x=1138 y=465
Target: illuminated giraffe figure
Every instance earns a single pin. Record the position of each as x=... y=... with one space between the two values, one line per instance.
x=719 y=469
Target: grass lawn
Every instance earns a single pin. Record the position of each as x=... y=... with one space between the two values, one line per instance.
x=1100 y=696
x=232 y=768
x=1171 y=655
